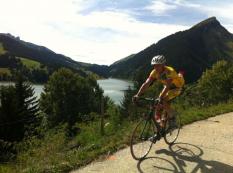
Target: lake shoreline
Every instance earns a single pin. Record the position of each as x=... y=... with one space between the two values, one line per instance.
x=113 y=88
x=120 y=79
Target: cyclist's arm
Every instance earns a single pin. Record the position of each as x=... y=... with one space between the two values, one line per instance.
x=144 y=86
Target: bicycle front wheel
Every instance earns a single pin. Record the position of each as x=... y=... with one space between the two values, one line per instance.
x=140 y=145
x=172 y=130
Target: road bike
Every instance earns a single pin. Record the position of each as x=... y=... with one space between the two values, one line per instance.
x=148 y=130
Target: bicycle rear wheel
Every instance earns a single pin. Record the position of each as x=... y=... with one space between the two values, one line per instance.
x=172 y=130
x=140 y=145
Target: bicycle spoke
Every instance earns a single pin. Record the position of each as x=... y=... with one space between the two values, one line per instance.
x=140 y=145
x=172 y=131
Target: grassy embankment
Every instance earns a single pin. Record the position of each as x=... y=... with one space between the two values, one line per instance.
x=2 y=50
x=56 y=153
x=31 y=64
x=5 y=71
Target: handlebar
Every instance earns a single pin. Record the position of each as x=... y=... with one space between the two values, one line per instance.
x=147 y=99
x=150 y=100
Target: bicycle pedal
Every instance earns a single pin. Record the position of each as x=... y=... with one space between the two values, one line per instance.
x=158 y=137
x=153 y=139
x=162 y=132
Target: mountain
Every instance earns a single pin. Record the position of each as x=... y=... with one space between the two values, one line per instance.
x=13 y=46
x=123 y=60
x=20 y=48
x=193 y=50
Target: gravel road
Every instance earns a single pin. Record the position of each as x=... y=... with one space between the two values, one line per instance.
x=202 y=147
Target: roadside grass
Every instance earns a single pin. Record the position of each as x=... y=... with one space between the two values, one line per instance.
x=200 y=113
x=7 y=168
x=30 y=63
x=5 y=71
x=56 y=153
x=2 y=50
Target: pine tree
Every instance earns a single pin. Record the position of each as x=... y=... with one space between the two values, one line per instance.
x=10 y=130
x=18 y=112
x=27 y=104
x=126 y=103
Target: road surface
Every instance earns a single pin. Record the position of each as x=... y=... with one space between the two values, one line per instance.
x=202 y=147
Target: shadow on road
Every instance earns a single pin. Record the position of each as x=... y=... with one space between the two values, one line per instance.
x=183 y=154
x=156 y=164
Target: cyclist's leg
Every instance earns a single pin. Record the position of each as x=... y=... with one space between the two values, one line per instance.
x=164 y=106
x=171 y=94
x=158 y=111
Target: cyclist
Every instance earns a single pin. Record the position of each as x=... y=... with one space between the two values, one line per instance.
x=172 y=81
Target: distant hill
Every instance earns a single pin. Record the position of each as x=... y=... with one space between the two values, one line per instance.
x=13 y=46
x=193 y=50
x=123 y=60
x=20 y=48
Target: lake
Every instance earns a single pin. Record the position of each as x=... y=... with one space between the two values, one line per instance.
x=114 y=88
x=37 y=88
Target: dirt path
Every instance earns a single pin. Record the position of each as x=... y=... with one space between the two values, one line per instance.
x=202 y=147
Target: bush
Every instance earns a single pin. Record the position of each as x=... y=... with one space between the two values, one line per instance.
x=215 y=85
x=68 y=98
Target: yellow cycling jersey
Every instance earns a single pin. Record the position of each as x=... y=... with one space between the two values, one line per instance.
x=168 y=73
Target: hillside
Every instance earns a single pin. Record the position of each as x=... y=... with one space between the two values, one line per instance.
x=20 y=48
x=193 y=50
x=11 y=46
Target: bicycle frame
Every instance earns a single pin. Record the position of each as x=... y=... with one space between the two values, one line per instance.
x=153 y=106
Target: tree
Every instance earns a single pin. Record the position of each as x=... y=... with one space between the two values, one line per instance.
x=97 y=94
x=126 y=103
x=8 y=115
x=215 y=85
x=18 y=110
x=27 y=103
x=68 y=97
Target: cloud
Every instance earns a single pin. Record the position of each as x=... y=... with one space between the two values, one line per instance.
x=112 y=35
x=219 y=9
x=186 y=3
x=127 y=35
x=161 y=7
x=87 y=32
x=165 y=7
x=95 y=37
x=223 y=11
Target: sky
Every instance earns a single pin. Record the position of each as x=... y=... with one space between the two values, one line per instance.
x=104 y=31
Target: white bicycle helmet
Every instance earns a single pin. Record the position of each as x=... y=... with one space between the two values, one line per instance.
x=158 y=59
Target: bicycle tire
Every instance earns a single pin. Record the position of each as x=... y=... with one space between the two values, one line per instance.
x=140 y=145
x=172 y=133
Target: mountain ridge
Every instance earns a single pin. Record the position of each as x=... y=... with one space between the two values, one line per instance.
x=193 y=50
x=14 y=46
x=32 y=51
